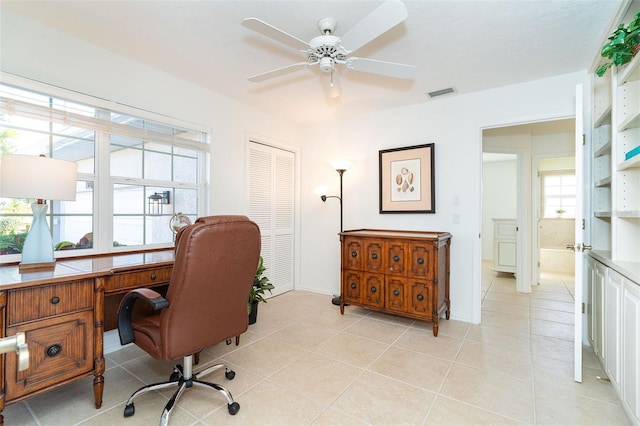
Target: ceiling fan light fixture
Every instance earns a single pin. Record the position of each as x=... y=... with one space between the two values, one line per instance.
x=326 y=64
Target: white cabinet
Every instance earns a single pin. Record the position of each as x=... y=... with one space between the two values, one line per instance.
x=504 y=245
x=597 y=276
x=631 y=349
x=611 y=333
x=613 y=320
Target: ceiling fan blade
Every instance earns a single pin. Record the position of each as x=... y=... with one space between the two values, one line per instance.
x=331 y=84
x=381 y=20
x=270 y=31
x=390 y=69
x=278 y=72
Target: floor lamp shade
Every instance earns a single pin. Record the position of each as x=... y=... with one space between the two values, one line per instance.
x=40 y=178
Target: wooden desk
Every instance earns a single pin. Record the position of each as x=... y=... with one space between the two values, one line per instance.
x=64 y=314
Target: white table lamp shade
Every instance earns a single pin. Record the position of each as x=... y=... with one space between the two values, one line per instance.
x=26 y=176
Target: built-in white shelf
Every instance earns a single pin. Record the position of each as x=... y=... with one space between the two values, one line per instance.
x=629 y=214
x=602 y=214
x=603 y=182
x=604 y=118
x=631 y=163
x=603 y=150
x=630 y=72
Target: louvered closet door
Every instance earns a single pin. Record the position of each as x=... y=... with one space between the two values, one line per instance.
x=271 y=206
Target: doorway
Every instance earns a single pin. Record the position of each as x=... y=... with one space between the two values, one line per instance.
x=554 y=200
x=521 y=148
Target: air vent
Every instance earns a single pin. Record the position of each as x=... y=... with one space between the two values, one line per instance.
x=441 y=92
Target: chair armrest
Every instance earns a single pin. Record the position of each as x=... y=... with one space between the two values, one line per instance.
x=154 y=299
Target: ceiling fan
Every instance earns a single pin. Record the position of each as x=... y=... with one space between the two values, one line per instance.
x=329 y=50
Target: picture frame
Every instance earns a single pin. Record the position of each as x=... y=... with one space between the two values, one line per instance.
x=407 y=179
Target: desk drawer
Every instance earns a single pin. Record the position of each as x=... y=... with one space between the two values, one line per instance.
x=60 y=349
x=35 y=303
x=146 y=278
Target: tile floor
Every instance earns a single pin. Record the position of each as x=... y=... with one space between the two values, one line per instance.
x=303 y=363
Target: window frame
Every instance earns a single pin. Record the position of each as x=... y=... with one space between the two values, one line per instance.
x=550 y=173
x=103 y=182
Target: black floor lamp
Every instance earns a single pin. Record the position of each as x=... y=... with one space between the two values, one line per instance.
x=340 y=167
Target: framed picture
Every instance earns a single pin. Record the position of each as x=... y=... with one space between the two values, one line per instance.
x=407 y=180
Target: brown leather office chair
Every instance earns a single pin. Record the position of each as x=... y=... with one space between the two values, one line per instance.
x=206 y=303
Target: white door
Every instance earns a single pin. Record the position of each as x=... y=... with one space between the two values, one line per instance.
x=272 y=207
x=579 y=246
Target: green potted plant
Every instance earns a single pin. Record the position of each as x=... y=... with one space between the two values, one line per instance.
x=261 y=284
x=623 y=45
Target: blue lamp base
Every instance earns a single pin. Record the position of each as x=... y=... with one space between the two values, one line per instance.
x=37 y=252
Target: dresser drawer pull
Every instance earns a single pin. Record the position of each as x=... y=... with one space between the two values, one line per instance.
x=353 y=286
x=153 y=276
x=55 y=300
x=420 y=261
x=373 y=289
x=420 y=297
x=354 y=254
x=374 y=256
x=396 y=258
x=54 y=350
x=396 y=293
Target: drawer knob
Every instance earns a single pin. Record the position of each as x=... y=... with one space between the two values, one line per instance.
x=353 y=285
x=420 y=261
x=55 y=300
x=373 y=289
x=54 y=350
x=396 y=293
x=420 y=297
x=396 y=258
x=374 y=256
x=153 y=276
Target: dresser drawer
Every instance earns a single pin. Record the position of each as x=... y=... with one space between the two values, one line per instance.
x=145 y=278
x=60 y=349
x=35 y=303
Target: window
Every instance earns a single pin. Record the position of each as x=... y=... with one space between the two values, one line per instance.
x=559 y=194
x=134 y=173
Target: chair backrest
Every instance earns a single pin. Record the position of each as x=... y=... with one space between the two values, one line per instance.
x=214 y=267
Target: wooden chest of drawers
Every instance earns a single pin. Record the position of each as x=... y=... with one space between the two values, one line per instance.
x=399 y=272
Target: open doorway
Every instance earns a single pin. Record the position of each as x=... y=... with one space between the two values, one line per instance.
x=523 y=149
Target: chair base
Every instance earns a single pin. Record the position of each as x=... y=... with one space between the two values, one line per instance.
x=184 y=378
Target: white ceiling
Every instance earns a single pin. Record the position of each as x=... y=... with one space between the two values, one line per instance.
x=468 y=45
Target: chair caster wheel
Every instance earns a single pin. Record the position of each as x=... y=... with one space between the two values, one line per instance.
x=230 y=374
x=234 y=408
x=177 y=373
x=129 y=410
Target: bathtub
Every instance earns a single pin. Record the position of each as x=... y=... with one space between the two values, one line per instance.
x=557 y=259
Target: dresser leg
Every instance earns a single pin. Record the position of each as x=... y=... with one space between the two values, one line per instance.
x=435 y=326
x=98 y=388
x=448 y=312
